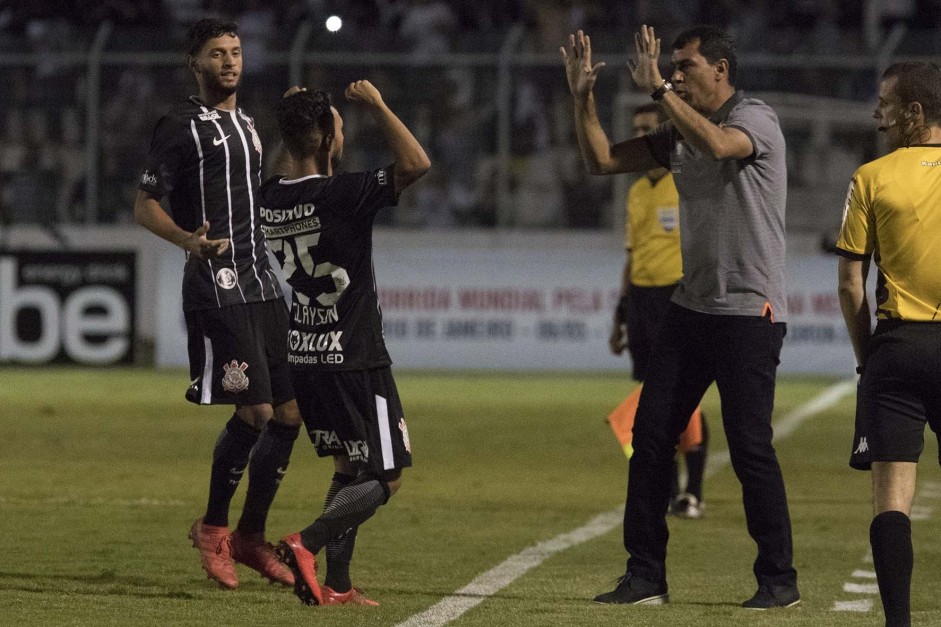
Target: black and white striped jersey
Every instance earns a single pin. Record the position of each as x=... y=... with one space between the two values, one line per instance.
x=207 y=163
x=320 y=230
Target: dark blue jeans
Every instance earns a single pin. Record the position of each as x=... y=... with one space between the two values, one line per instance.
x=739 y=353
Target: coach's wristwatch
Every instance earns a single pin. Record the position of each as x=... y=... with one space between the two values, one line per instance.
x=663 y=89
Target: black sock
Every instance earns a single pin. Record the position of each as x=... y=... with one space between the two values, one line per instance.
x=351 y=507
x=890 y=535
x=269 y=462
x=696 y=464
x=229 y=459
x=340 y=549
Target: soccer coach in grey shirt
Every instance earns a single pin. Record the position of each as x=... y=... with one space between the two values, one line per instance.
x=726 y=321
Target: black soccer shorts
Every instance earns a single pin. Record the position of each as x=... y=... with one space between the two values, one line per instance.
x=239 y=354
x=356 y=414
x=899 y=392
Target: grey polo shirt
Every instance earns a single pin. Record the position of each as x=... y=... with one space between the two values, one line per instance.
x=731 y=215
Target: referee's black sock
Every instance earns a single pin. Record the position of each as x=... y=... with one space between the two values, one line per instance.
x=229 y=459
x=696 y=464
x=890 y=535
x=340 y=549
x=269 y=462
x=351 y=507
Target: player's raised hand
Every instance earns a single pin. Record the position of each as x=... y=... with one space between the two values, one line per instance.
x=579 y=71
x=644 y=68
x=200 y=246
x=364 y=92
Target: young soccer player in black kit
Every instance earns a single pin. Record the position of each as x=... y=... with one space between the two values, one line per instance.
x=319 y=226
x=205 y=162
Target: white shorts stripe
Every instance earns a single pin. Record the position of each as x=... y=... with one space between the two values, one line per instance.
x=206 y=393
x=385 y=436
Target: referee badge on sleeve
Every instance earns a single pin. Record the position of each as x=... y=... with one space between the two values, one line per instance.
x=235 y=380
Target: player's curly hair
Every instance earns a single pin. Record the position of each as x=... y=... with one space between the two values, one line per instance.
x=304 y=119
x=918 y=81
x=206 y=29
x=714 y=44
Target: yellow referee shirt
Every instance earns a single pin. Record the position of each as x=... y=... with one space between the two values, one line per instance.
x=893 y=212
x=653 y=232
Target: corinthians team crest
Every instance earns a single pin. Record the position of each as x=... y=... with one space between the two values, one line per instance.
x=404 y=429
x=235 y=379
x=251 y=127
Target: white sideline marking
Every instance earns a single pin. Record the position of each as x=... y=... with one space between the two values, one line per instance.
x=489 y=583
x=859 y=605
x=921 y=512
x=861 y=588
x=864 y=574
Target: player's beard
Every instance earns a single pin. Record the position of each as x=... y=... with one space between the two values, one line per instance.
x=214 y=84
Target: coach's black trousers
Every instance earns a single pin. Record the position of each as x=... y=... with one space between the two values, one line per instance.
x=739 y=353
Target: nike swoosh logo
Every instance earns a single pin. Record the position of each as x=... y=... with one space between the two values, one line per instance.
x=216 y=141
x=281 y=470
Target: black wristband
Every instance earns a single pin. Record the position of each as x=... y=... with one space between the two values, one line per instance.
x=659 y=92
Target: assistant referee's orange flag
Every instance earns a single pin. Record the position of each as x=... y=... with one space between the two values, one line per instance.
x=622 y=423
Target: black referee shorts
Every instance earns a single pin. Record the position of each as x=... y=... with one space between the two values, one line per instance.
x=899 y=392
x=239 y=354
x=356 y=414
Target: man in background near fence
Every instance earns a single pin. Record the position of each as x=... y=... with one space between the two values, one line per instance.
x=205 y=161
x=726 y=319
x=320 y=227
x=651 y=273
x=892 y=214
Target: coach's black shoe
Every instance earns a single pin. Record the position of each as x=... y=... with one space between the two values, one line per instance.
x=633 y=590
x=768 y=597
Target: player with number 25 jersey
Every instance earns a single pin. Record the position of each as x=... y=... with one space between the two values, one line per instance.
x=319 y=226
x=320 y=229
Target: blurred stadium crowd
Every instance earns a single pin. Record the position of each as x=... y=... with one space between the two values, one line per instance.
x=478 y=80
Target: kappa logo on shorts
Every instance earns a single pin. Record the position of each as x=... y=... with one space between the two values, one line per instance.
x=235 y=380
x=226 y=278
x=404 y=429
x=863 y=446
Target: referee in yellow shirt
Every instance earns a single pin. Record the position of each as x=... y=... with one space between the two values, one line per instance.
x=651 y=272
x=893 y=214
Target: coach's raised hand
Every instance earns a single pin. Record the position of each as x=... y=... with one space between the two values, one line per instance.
x=644 y=68
x=579 y=71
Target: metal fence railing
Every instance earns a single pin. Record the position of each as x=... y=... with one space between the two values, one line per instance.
x=497 y=125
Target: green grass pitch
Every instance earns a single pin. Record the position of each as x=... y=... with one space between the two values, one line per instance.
x=104 y=470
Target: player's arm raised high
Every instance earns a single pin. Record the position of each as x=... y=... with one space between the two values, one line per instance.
x=411 y=162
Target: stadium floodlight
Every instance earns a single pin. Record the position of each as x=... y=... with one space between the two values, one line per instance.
x=334 y=23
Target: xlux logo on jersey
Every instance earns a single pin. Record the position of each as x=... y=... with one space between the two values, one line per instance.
x=315 y=342
x=382 y=177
